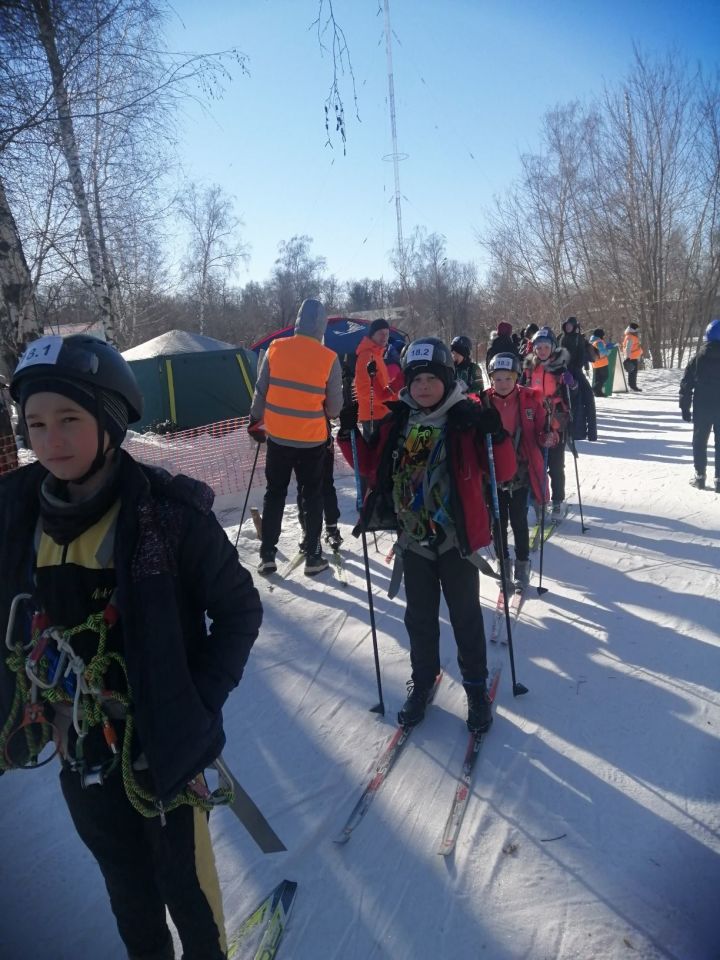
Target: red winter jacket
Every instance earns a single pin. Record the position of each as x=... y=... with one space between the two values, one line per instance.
x=468 y=473
x=532 y=424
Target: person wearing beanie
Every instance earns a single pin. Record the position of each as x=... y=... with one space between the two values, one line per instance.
x=501 y=341
x=581 y=354
x=600 y=364
x=427 y=469
x=466 y=369
x=297 y=391
x=373 y=387
x=116 y=567
x=631 y=353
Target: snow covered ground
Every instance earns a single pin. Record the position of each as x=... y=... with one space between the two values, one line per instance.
x=593 y=829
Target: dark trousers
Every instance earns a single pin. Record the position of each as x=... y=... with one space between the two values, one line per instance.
x=331 y=510
x=308 y=464
x=556 y=469
x=147 y=866
x=600 y=376
x=703 y=423
x=631 y=366
x=513 y=508
x=459 y=581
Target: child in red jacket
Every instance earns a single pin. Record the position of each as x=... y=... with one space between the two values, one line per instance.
x=426 y=469
x=524 y=417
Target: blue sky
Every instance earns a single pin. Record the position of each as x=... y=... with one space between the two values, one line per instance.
x=472 y=82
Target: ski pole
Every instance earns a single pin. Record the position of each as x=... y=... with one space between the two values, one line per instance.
x=372 y=371
x=247 y=495
x=379 y=707
x=546 y=455
x=573 y=450
x=518 y=688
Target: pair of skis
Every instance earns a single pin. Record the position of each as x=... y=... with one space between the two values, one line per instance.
x=550 y=528
x=387 y=761
x=271 y=916
x=498 y=632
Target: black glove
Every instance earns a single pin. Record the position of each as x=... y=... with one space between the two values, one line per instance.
x=488 y=421
x=686 y=415
x=348 y=417
x=371 y=368
x=256 y=430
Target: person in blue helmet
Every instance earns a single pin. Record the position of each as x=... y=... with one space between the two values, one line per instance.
x=700 y=402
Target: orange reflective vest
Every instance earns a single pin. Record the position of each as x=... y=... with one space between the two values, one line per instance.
x=299 y=368
x=602 y=360
x=631 y=347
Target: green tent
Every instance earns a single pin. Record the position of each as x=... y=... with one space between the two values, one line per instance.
x=189 y=380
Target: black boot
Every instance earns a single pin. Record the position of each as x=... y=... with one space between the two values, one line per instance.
x=698 y=481
x=333 y=536
x=479 y=708
x=413 y=710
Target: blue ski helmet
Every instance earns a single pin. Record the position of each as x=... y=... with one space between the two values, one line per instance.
x=713 y=331
x=545 y=335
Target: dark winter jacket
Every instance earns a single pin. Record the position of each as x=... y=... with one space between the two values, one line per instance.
x=501 y=343
x=700 y=385
x=468 y=470
x=469 y=373
x=580 y=352
x=173 y=563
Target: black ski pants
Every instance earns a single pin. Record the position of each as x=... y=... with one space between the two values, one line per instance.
x=556 y=469
x=147 y=866
x=514 y=508
x=331 y=510
x=600 y=376
x=632 y=367
x=459 y=582
x=308 y=464
x=703 y=423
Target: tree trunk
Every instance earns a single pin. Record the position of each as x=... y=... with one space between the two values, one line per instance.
x=16 y=287
x=66 y=130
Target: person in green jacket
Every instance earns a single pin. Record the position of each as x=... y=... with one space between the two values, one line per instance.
x=465 y=369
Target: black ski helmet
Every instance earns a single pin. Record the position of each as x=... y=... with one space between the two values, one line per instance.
x=91 y=373
x=79 y=358
x=599 y=333
x=505 y=361
x=428 y=355
x=462 y=345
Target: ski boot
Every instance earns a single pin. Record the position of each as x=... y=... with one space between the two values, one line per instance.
x=315 y=563
x=479 y=715
x=558 y=511
x=267 y=563
x=698 y=481
x=333 y=537
x=413 y=710
x=522 y=575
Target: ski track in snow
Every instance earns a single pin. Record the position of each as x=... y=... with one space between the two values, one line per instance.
x=593 y=828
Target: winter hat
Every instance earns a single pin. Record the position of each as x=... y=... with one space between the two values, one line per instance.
x=633 y=326
x=504 y=329
x=599 y=333
x=377 y=325
x=572 y=323
x=113 y=407
x=462 y=345
x=530 y=330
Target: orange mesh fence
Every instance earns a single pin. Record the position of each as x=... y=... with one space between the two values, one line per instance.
x=8 y=453
x=221 y=454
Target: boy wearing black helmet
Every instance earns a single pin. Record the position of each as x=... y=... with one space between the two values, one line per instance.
x=109 y=569
x=427 y=469
x=465 y=369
